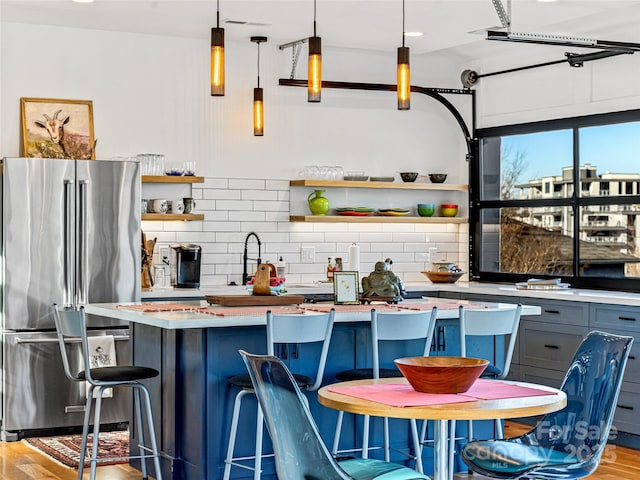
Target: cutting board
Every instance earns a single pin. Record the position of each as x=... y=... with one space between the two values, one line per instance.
x=253 y=300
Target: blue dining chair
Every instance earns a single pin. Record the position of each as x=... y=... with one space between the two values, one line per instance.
x=300 y=452
x=566 y=444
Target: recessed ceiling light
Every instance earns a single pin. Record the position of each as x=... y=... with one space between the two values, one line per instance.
x=413 y=34
x=547 y=0
x=82 y=1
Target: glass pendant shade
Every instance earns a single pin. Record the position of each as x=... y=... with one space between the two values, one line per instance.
x=217 y=62
x=314 y=87
x=404 y=79
x=258 y=112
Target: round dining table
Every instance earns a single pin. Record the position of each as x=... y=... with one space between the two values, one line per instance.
x=474 y=409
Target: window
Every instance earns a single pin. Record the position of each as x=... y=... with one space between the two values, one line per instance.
x=559 y=198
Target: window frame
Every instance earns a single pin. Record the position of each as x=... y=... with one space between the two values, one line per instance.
x=575 y=201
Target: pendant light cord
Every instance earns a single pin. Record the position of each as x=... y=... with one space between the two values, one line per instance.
x=314 y=18
x=218 y=13
x=258 y=64
x=403 y=23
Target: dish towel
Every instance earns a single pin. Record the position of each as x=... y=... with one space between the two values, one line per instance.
x=102 y=353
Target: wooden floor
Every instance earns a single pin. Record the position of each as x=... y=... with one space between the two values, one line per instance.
x=20 y=462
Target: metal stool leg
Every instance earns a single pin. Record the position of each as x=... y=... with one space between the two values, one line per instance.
x=85 y=430
x=96 y=433
x=336 y=435
x=232 y=433
x=365 y=437
x=258 y=451
x=152 y=432
x=138 y=411
x=417 y=445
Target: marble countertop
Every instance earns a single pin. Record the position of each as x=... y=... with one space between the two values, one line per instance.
x=573 y=294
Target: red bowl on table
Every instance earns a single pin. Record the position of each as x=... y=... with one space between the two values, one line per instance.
x=441 y=374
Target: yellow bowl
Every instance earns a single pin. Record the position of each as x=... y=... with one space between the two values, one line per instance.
x=448 y=210
x=441 y=374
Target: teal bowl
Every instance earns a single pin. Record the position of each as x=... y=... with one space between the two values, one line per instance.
x=426 y=209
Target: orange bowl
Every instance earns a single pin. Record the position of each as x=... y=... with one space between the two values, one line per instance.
x=443 y=277
x=441 y=374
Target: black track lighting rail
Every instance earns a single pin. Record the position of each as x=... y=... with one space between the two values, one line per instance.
x=435 y=93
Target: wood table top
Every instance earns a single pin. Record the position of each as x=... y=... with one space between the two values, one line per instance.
x=473 y=410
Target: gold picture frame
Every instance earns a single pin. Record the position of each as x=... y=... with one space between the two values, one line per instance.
x=57 y=128
x=346 y=289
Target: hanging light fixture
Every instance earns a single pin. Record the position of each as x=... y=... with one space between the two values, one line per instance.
x=258 y=107
x=314 y=85
x=404 y=74
x=217 y=56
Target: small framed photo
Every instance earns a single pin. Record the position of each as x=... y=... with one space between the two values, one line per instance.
x=57 y=128
x=346 y=290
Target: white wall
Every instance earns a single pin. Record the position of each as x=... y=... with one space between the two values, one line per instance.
x=151 y=95
x=556 y=91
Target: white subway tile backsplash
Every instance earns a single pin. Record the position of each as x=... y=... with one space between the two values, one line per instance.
x=271 y=206
x=259 y=195
x=222 y=194
x=277 y=185
x=247 y=184
x=235 y=207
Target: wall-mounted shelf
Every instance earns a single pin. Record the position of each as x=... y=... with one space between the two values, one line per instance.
x=172 y=216
x=373 y=219
x=171 y=179
x=386 y=185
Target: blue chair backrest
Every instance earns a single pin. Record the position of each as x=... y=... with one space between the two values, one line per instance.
x=300 y=453
x=592 y=385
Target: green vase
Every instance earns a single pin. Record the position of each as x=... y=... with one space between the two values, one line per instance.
x=318 y=205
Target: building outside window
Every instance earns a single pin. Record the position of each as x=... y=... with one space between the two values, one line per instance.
x=559 y=199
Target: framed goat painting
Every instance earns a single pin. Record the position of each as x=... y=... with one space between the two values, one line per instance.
x=54 y=128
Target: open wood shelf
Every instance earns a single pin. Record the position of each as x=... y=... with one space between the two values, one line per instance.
x=172 y=216
x=373 y=219
x=387 y=185
x=171 y=179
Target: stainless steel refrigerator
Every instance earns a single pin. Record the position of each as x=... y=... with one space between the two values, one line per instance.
x=70 y=235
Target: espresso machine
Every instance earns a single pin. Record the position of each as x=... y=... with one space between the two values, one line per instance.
x=185 y=265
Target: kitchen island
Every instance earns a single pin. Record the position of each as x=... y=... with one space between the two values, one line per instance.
x=197 y=352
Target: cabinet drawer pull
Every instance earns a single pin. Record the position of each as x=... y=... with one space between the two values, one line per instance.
x=554 y=347
x=556 y=312
x=625 y=407
x=632 y=357
x=627 y=319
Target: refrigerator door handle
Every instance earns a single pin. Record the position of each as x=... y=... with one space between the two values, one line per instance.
x=81 y=265
x=22 y=341
x=68 y=245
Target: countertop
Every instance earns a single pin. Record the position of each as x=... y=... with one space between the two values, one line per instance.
x=573 y=294
x=185 y=319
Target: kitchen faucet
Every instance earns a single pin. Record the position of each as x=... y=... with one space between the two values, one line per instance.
x=245 y=275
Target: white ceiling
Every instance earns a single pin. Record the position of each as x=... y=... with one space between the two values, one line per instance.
x=361 y=24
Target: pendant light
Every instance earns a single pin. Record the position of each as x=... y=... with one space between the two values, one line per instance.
x=217 y=56
x=314 y=85
x=258 y=107
x=404 y=74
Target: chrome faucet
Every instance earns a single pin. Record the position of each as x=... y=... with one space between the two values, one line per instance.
x=245 y=275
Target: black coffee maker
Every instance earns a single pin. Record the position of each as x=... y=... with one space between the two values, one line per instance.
x=185 y=265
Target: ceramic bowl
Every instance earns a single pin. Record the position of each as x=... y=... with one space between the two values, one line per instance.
x=441 y=374
x=408 y=176
x=426 y=209
x=437 y=177
x=443 y=277
x=448 y=210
